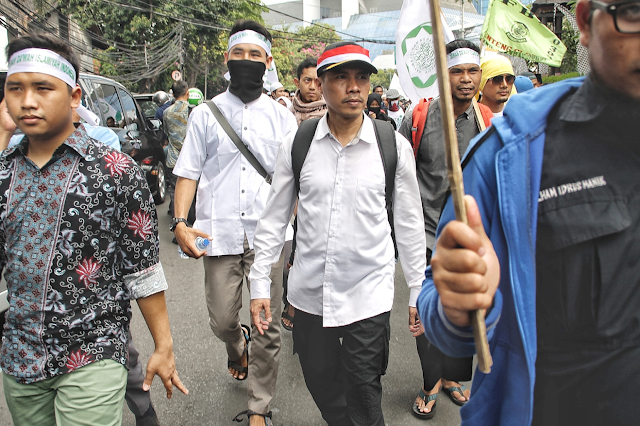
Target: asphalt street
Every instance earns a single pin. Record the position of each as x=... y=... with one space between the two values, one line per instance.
x=215 y=398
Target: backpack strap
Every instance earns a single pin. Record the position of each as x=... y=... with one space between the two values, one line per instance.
x=418 y=122
x=387 y=145
x=484 y=112
x=301 y=144
x=386 y=138
x=244 y=150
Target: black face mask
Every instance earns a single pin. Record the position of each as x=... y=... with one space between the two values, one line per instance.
x=246 y=79
x=375 y=110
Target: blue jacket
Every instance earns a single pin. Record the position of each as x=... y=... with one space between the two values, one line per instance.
x=503 y=174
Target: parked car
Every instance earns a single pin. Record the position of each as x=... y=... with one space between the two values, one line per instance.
x=148 y=107
x=118 y=110
x=139 y=136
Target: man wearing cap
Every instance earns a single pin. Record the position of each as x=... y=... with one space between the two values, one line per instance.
x=497 y=82
x=395 y=111
x=341 y=283
x=439 y=370
x=73 y=238
x=277 y=90
x=231 y=197
x=551 y=246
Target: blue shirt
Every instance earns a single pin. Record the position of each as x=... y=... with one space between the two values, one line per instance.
x=99 y=133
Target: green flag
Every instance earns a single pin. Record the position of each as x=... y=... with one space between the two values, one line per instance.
x=511 y=28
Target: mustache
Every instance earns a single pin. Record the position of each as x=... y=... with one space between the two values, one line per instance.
x=353 y=98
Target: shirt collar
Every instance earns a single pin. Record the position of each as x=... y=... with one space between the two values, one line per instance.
x=236 y=100
x=468 y=113
x=366 y=133
x=78 y=141
x=591 y=99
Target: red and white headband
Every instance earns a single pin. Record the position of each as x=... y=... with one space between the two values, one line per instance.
x=350 y=52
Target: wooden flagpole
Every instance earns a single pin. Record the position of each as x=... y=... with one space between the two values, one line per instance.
x=454 y=169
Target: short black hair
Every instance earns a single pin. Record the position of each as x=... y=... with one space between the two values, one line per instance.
x=374 y=89
x=179 y=88
x=45 y=41
x=247 y=24
x=462 y=44
x=309 y=62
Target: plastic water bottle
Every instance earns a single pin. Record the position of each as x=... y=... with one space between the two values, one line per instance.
x=201 y=244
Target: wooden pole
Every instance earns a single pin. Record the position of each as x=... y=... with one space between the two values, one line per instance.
x=454 y=169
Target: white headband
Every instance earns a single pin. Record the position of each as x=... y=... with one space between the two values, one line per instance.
x=42 y=61
x=45 y=61
x=251 y=37
x=463 y=56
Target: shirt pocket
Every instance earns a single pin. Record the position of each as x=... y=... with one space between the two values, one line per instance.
x=583 y=253
x=580 y=222
x=370 y=198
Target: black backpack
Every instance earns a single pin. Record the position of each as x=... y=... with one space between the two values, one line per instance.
x=386 y=139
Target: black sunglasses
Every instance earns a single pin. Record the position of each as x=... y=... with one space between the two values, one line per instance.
x=499 y=78
x=626 y=14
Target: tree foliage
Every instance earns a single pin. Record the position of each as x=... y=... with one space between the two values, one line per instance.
x=383 y=78
x=570 y=38
x=292 y=47
x=129 y=24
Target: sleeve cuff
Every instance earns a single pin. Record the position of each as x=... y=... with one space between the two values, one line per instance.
x=466 y=332
x=413 y=296
x=146 y=282
x=261 y=288
x=184 y=173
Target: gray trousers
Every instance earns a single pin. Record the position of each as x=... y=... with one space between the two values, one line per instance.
x=138 y=400
x=223 y=288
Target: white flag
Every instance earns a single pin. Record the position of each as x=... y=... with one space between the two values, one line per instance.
x=415 y=55
x=270 y=76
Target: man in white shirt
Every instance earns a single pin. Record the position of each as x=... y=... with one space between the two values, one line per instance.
x=231 y=197
x=341 y=283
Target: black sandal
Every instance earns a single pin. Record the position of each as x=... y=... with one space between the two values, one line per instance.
x=246 y=332
x=426 y=398
x=285 y=316
x=249 y=413
x=460 y=389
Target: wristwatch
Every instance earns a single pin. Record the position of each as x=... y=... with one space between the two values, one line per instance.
x=175 y=221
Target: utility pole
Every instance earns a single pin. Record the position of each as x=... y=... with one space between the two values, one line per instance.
x=462 y=20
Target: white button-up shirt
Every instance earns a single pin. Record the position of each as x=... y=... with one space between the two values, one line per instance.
x=344 y=266
x=231 y=193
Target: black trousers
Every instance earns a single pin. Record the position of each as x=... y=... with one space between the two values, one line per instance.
x=437 y=365
x=137 y=399
x=342 y=367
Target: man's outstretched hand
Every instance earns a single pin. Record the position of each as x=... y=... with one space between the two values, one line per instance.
x=465 y=267
x=163 y=364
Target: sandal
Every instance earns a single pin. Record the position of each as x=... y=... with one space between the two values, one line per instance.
x=246 y=332
x=460 y=389
x=249 y=413
x=285 y=316
x=426 y=398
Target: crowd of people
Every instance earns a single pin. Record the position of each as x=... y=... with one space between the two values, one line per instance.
x=311 y=198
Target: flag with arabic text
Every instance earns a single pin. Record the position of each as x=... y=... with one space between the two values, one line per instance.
x=415 y=54
x=511 y=28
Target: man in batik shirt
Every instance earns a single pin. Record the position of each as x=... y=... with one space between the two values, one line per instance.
x=78 y=239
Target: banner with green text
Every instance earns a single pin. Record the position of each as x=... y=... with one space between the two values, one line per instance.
x=511 y=28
